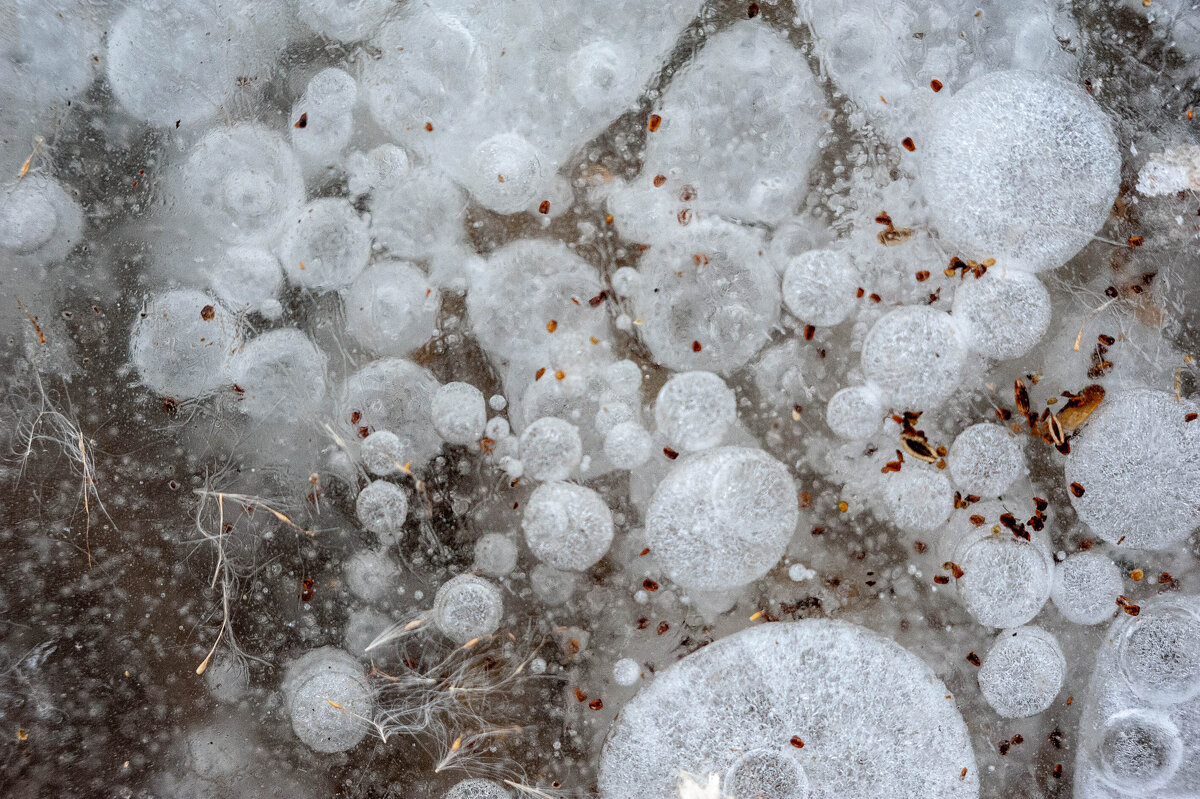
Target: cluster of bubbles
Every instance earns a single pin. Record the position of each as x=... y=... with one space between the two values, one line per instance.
x=649 y=395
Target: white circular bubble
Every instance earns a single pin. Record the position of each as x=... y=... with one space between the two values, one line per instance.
x=459 y=414
x=1006 y=580
x=1023 y=672
x=567 y=526
x=1159 y=654
x=915 y=355
x=246 y=277
x=552 y=586
x=551 y=449
x=384 y=453
x=985 y=459
x=370 y=575
x=181 y=344
x=628 y=445
x=918 y=498
x=1137 y=463
x=382 y=507
x=819 y=286
x=600 y=75
x=1004 y=314
x=855 y=412
x=392 y=394
x=325 y=245
x=391 y=308
x=694 y=409
x=766 y=774
x=854 y=699
x=1020 y=167
x=722 y=518
x=467 y=607
x=323 y=118
x=327 y=697
x=708 y=302
x=227 y=678
x=626 y=672
x=478 y=789
x=1086 y=587
x=344 y=20
x=39 y=222
x=240 y=183
x=1139 y=750
x=506 y=173
x=279 y=375
x=495 y=554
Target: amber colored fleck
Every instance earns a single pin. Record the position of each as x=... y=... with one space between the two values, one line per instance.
x=544 y=208
x=1131 y=609
x=920 y=547
x=922 y=276
x=22 y=735
x=805 y=499
x=429 y=127
x=1077 y=489
x=670 y=453
x=876 y=298
x=1135 y=241
x=655 y=121
x=207 y=313
x=659 y=180
x=843 y=506
x=935 y=84
x=859 y=293
x=663 y=627
x=302 y=122
x=1136 y=575
x=797 y=742
x=752 y=12
x=551 y=326
x=974 y=659
x=941 y=579
x=649 y=584
x=1191 y=417
x=596 y=704
x=1070 y=699
x=559 y=374
x=644 y=552
x=540 y=372
x=580 y=696
x=1057 y=771
x=809 y=330
x=908 y=144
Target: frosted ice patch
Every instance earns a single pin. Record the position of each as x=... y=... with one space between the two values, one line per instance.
x=693 y=410
x=1023 y=672
x=181 y=344
x=467 y=607
x=915 y=356
x=1086 y=587
x=567 y=526
x=985 y=459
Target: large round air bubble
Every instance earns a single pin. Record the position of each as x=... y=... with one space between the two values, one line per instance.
x=722 y=518
x=467 y=607
x=325 y=245
x=1020 y=167
x=459 y=413
x=392 y=394
x=1023 y=672
x=985 y=459
x=1159 y=653
x=1004 y=314
x=391 y=308
x=327 y=697
x=918 y=498
x=915 y=356
x=855 y=412
x=1086 y=587
x=181 y=344
x=506 y=174
x=567 y=526
x=1139 y=750
x=853 y=700
x=279 y=376
x=478 y=789
x=382 y=507
x=693 y=411
x=1136 y=463
x=551 y=449
x=819 y=286
x=39 y=222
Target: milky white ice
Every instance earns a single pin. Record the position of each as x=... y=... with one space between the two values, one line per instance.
x=827 y=708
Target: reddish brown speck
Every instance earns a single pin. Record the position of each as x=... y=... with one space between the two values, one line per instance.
x=302 y=122
x=1135 y=241
x=649 y=584
x=663 y=627
x=859 y=293
x=922 y=276
x=207 y=313
x=540 y=372
x=941 y=579
x=659 y=180
x=551 y=326
x=670 y=453
x=1077 y=489
x=580 y=696
x=654 y=122
x=596 y=704
x=907 y=142
x=544 y=207
x=1191 y=417
x=935 y=84
x=696 y=346
x=973 y=659
x=809 y=331
x=797 y=742
x=429 y=127
x=644 y=552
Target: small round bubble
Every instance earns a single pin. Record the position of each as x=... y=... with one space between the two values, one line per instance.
x=694 y=409
x=819 y=287
x=985 y=459
x=459 y=413
x=467 y=607
x=1023 y=672
x=382 y=508
x=567 y=526
x=551 y=449
x=1086 y=587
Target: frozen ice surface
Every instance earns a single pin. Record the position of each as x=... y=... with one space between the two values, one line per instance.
x=345 y=20
x=495 y=554
x=855 y=412
x=324 y=116
x=1004 y=314
x=392 y=394
x=391 y=308
x=915 y=356
x=567 y=526
x=467 y=607
x=1086 y=587
x=550 y=449
x=49 y=52
x=918 y=498
x=181 y=344
x=1019 y=167
x=985 y=459
x=40 y=223
x=628 y=445
x=1136 y=463
x=693 y=411
x=722 y=518
x=1023 y=672
x=854 y=699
